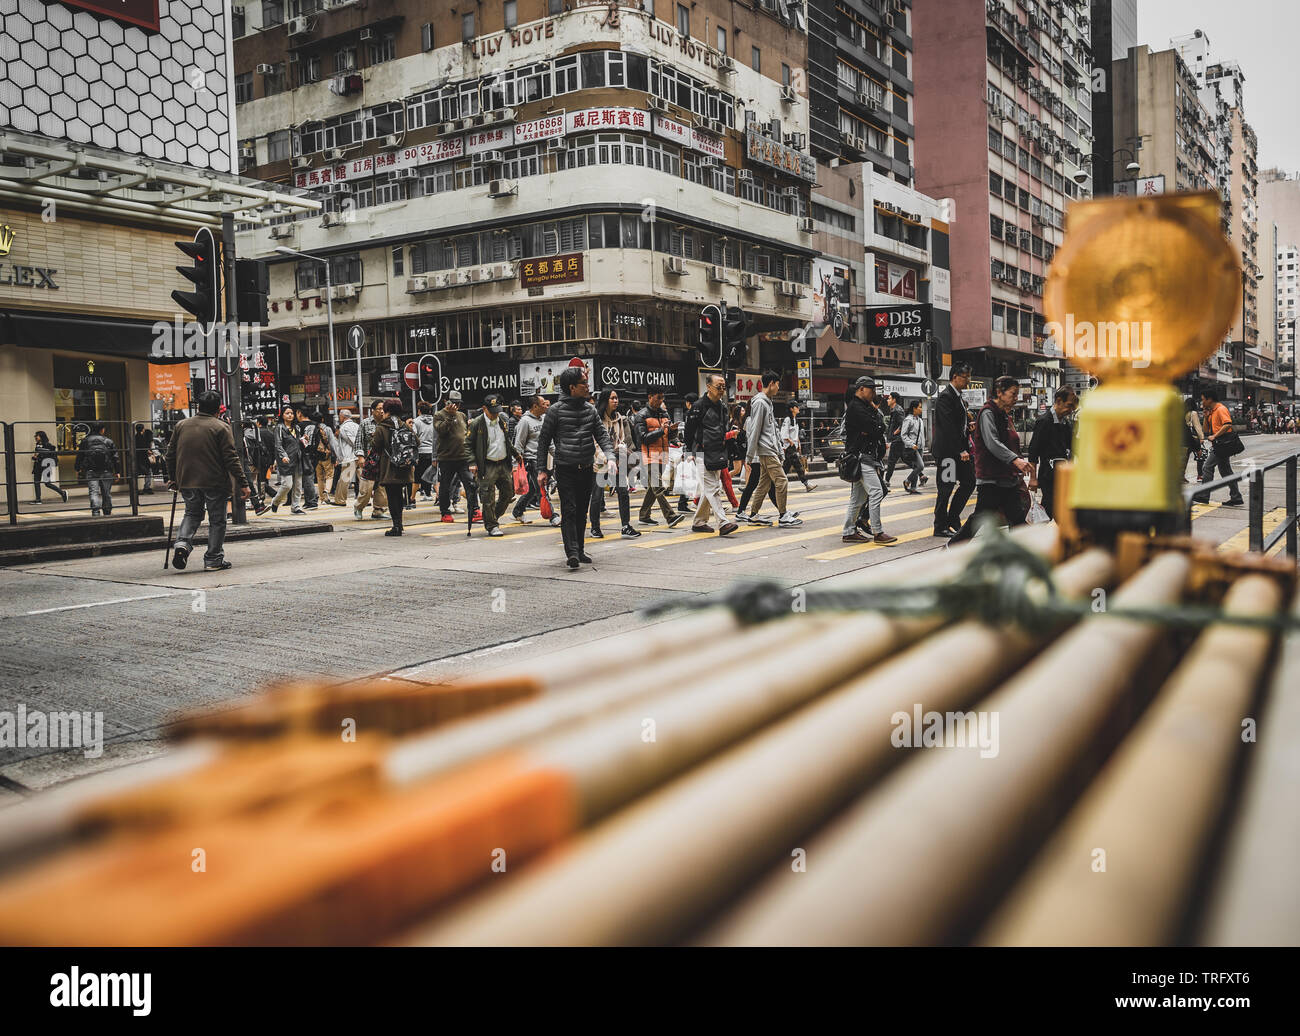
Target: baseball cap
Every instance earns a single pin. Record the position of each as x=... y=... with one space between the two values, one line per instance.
x=493 y=403
x=453 y=396
x=864 y=382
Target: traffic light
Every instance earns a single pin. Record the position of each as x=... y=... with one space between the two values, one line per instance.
x=204 y=302
x=252 y=285
x=429 y=378
x=735 y=330
x=932 y=357
x=709 y=339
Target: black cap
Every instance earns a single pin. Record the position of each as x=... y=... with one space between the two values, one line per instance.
x=864 y=382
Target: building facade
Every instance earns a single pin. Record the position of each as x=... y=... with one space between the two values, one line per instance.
x=1114 y=31
x=1279 y=208
x=516 y=184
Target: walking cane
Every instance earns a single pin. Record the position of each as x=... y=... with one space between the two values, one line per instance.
x=167 y=558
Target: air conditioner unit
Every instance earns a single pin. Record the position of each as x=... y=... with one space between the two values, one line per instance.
x=281 y=231
x=864 y=99
x=752 y=281
x=416 y=284
x=444 y=127
x=806 y=225
x=718 y=274
x=302 y=162
x=745 y=175
x=405 y=174
x=714 y=126
x=790 y=192
x=726 y=64
x=506 y=115
x=331 y=219
x=657 y=103
x=333 y=154
x=792 y=288
x=555 y=144
x=266 y=70
x=247 y=151
x=489 y=157
x=675 y=265
x=860 y=143
x=367 y=34
x=503 y=271
x=479 y=274
x=889 y=19
x=502 y=188
x=847 y=138
x=787 y=94
x=298 y=26
x=461 y=276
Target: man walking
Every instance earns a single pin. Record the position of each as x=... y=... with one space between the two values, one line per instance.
x=525 y=440
x=202 y=462
x=366 y=432
x=790 y=440
x=453 y=456
x=1052 y=443
x=893 y=413
x=1219 y=434
x=574 y=428
x=765 y=450
x=347 y=457
x=954 y=469
x=706 y=436
x=425 y=471
x=912 y=450
x=652 y=428
x=97 y=464
x=491 y=451
x=864 y=434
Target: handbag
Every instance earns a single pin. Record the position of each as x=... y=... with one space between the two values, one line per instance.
x=1229 y=444
x=370 y=469
x=849 y=467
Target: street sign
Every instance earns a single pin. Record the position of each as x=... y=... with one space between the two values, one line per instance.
x=411 y=375
x=356 y=337
x=813 y=404
x=928 y=388
x=392 y=363
x=803 y=368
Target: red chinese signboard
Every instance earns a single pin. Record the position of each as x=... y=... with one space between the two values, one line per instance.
x=136 y=12
x=556 y=269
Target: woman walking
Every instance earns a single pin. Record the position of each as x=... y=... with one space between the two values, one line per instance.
x=288 y=462
x=910 y=436
x=999 y=467
x=45 y=466
x=614 y=468
x=395 y=478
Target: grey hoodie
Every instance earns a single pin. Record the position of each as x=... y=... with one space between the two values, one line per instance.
x=761 y=430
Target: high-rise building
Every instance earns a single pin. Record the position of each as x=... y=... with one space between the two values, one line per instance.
x=1114 y=31
x=515 y=183
x=1279 y=209
x=1004 y=127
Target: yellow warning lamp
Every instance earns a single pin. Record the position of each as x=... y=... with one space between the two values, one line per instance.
x=1140 y=293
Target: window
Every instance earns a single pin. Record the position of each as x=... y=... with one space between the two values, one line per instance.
x=426 y=36
x=722 y=39
x=683 y=21
x=275 y=83
x=755 y=59
x=554 y=6
x=244 y=88
x=565 y=75
x=237 y=22
x=272 y=12
x=311 y=69
x=383 y=49
x=277 y=146
x=467 y=28
x=512 y=19
x=785 y=74
x=345 y=59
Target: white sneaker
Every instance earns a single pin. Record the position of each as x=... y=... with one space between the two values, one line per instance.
x=556 y=521
x=789 y=521
x=759 y=519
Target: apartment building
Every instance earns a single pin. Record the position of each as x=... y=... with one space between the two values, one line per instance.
x=1004 y=128
x=513 y=183
x=1114 y=31
x=1279 y=208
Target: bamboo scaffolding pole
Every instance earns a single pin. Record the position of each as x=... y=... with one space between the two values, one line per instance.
x=1256 y=898
x=650 y=871
x=918 y=850
x=1151 y=810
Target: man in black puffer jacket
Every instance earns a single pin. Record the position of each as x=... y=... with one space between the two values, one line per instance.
x=706 y=436
x=572 y=426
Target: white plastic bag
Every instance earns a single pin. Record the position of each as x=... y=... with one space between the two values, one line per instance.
x=687 y=482
x=1037 y=514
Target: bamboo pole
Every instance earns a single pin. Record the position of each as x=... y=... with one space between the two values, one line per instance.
x=1121 y=869
x=650 y=871
x=918 y=851
x=1255 y=900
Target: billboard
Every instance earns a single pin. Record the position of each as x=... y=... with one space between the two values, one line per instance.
x=543 y=375
x=831 y=299
x=897 y=325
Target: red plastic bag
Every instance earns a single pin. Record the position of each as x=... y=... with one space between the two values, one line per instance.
x=521 y=480
x=545 y=506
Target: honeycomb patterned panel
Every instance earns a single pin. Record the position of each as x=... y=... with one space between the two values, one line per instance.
x=65 y=73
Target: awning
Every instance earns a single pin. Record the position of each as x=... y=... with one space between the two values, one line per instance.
x=103 y=335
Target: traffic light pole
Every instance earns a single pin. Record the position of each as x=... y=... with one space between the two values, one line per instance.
x=233 y=379
x=722 y=345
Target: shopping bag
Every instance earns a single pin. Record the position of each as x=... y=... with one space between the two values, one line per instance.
x=1037 y=514
x=687 y=482
x=520 y=480
x=544 y=506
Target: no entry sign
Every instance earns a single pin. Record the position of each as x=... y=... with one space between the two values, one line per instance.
x=411 y=375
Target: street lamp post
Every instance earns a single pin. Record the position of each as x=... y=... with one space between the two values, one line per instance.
x=329 y=318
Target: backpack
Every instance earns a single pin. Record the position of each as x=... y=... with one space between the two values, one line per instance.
x=403 y=445
x=99 y=457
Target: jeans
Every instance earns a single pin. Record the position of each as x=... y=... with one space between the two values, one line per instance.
x=575 y=484
x=956 y=479
x=287 y=483
x=496 y=490
x=711 y=498
x=448 y=470
x=1213 y=459
x=534 y=495
x=214 y=501
x=309 y=487
x=1007 y=500
x=101 y=494
x=770 y=477
x=911 y=455
x=624 y=503
x=866 y=490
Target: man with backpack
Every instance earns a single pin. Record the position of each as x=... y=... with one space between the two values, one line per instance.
x=397 y=447
x=864 y=439
x=651 y=430
x=491 y=452
x=97 y=463
x=309 y=436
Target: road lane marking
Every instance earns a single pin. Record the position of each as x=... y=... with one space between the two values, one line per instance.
x=100 y=604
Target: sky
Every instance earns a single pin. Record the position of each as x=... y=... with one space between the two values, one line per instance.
x=1260 y=36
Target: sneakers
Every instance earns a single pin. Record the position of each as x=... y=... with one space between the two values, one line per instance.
x=495 y=531
x=219 y=566
x=881 y=537
x=276 y=507
x=809 y=487
x=742 y=517
x=449 y=518
x=630 y=533
x=585 y=559
x=596 y=534
x=654 y=521
x=296 y=510
x=555 y=521
x=1239 y=502
x=378 y=514
x=789 y=521
x=572 y=562
x=676 y=520
x=758 y=519
x=180 y=556
x=728 y=529
x=522 y=520
x=856 y=537
x=357 y=513
x=912 y=489
x=260 y=510
x=393 y=532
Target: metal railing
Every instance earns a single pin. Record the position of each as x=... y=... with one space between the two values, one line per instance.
x=1254 y=473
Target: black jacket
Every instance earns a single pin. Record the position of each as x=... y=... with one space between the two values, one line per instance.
x=572 y=426
x=864 y=429
x=706 y=432
x=97 y=457
x=950 y=424
x=40 y=456
x=1050 y=440
x=286 y=444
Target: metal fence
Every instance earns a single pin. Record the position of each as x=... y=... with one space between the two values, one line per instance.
x=1254 y=473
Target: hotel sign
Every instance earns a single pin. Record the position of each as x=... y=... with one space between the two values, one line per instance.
x=556 y=269
x=769 y=152
x=486 y=46
x=588 y=119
